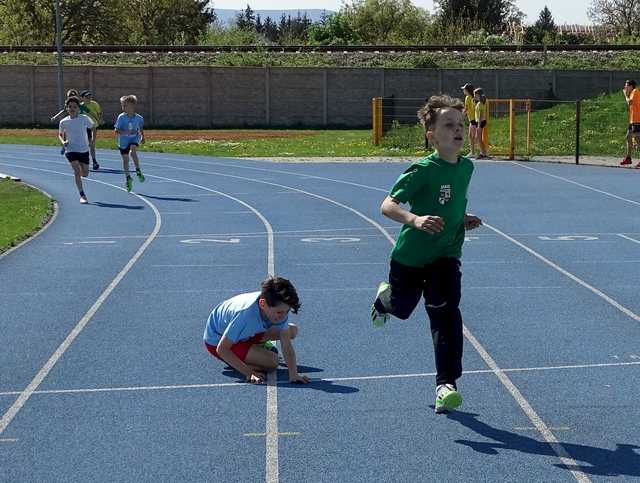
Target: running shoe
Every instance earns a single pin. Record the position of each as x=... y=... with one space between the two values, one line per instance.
x=83 y=200
x=270 y=346
x=626 y=161
x=140 y=176
x=447 y=397
x=129 y=183
x=638 y=165
x=384 y=295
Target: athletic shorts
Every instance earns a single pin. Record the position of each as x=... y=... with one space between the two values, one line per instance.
x=127 y=149
x=240 y=349
x=634 y=128
x=80 y=157
x=474 y=123
x=483 y=124
x=89 y=134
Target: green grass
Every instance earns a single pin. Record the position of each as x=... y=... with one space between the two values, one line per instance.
x=23 y=210
x=603 y=124
x=334 y=143
x=553 y=133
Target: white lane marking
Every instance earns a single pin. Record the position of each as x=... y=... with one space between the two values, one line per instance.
x=213 y=265
x=513 y=390
x=576 y=279
x=537 y=421
x=129 y=389
x=62 y=348
x=628 y=238
x=569 y=238
x=337 y=239
x=382 y=377
x=339 y=263
x=272 y=475
x=207 y=241
x=8 y=440
x=271 y=455
x=567 y=180
x=54 y=215
x=96 y=242
x=530 y=428
x=290 y=233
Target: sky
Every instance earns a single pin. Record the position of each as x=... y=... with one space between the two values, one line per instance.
x=563 y=11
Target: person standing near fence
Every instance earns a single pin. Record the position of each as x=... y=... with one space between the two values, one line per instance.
x=481 y=120
x=632 y=96
x=470 y=111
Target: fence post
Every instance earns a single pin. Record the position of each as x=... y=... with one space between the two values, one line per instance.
x=578 y=102
x=376 y=104
x=528 y=128
x=512 y=131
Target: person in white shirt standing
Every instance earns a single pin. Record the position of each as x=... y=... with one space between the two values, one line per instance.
x=72 y=133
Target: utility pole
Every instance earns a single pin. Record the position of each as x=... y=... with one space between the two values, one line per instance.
x=59 y=49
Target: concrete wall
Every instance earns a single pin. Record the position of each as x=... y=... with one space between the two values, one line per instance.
x=210 y=97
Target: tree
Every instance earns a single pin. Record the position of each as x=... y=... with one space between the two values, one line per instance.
x=492 y=15
x=333 y=30
x=385 y=21
x=169 y=22
x=246 y=20
x=622 y=16
x=544 y=30
x=25 y=22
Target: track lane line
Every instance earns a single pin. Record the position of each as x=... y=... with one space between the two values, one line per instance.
x=24 y=396
x=567 y=462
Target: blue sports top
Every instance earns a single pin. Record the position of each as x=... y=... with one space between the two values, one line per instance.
x=238 y=319
x=130 y=127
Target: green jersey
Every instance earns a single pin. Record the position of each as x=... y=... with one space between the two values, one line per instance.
x=432 y=186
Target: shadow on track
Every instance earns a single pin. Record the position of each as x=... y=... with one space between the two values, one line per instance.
x=621 y=461
x=113 y=205
x=168 y=198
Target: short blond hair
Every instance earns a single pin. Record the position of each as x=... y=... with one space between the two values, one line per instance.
x=129 y=99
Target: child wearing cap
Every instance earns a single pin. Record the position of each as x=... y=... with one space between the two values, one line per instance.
x=481 y=119
x=425 y=261
x=238 y=329
x=94 y=111
x=470 y=111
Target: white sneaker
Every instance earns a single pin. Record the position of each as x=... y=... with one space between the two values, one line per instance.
x=83 y=200
x=384 y=294
x=447 y=398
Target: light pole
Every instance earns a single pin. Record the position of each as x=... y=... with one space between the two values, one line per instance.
x=59 y=49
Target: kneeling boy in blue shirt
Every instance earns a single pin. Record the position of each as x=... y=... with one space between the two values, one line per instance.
x=238 y=329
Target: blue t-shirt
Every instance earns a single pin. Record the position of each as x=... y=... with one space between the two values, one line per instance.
x=238 y=319
x=130 y=128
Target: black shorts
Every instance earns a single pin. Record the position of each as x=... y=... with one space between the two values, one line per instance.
x=80 y=157
x=127 y=149
x=89 y=134
x=474 y=123
x=483 y=124
x=634 y=128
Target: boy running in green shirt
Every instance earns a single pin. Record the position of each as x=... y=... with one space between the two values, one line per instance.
x=94 y=111
x=425 y=260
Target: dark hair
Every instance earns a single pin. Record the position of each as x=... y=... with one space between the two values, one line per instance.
x=275 y=290
x=72 y=99
x=428 y=115
x=631 y=82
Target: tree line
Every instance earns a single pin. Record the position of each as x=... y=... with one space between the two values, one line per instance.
x=194 y=22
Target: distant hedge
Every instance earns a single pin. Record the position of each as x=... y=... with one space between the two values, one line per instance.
x=618 y=60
